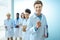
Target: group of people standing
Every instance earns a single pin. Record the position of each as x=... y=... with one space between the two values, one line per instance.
x=25 y=27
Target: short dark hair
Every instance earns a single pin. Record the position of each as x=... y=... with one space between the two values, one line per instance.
x=38 y=2
x=17 y=13
x=28 y=11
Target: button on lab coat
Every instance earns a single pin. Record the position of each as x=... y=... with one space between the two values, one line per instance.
x=41 y=31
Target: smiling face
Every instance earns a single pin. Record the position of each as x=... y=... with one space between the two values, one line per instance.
x=38 y=8
x=26 y=15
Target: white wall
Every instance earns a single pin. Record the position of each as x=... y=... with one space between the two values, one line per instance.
x=5 y=7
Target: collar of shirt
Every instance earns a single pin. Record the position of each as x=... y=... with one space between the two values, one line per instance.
x=17 y=18
x=35 y=15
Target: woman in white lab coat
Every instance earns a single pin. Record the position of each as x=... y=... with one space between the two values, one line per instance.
x=21 y=22
x=9 y=24
x=25 y=35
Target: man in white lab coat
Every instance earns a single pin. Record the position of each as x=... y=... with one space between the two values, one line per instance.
x=9 y=24
x=17 y=26
x=25 y=34
x=37 y=25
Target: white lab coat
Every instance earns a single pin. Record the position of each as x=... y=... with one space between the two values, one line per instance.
x=16 y=30
x=25 y=35
x=20 y=29
x=10 y=25
x=39 y=33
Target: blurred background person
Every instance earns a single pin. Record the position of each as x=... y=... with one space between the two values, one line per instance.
x=9 y=24
x=22 y=17
x=25 y=34
x=17 y=25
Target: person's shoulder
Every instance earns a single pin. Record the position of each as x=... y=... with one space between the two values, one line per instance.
x=12 y=20
x=24 y=20
x=5 y=20
x=32 y=16
x=43 y=16
x=15 y=19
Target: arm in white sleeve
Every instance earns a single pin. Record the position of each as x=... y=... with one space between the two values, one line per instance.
x=46 y=28
x=31 y=28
